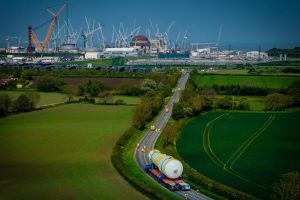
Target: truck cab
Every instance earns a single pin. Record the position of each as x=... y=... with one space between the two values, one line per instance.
x=184 y=186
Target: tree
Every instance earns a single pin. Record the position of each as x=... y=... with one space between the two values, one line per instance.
x=107 y=97
x=5 y=104
x=288 y=187
x=71 y=92
x=34 y=98
x=244 y=104
x=178 y=111
x=22 y=104
x=196 y=105
x=207 y=103
x=224 y=103
x=50 y=84
x=91 y=88
x=149 y=85
x=127 y=87
x=294 y=93
x=277 y=101
x=170 y=132
x=26 y=102
x=166 y=90
x=140 y=115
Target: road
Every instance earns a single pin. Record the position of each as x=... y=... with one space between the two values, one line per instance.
x=150 y=138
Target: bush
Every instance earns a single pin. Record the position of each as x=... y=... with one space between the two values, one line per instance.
x=224 y=103
x=294 y=93
x=277 y=101
x=50 y=84
x=178 y=112
x=127 y=87
x=120 y=102
x=91 y=88
x=207 y=103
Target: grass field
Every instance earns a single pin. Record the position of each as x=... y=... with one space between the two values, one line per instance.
x=256 y=81
x=63 y=153
x=46 y=98
x=247 y=151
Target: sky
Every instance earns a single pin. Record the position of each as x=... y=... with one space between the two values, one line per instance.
x=245 y=24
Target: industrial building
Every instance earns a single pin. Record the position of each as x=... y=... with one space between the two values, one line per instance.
x=140 y=43
x=122 y=52
x=256 y=55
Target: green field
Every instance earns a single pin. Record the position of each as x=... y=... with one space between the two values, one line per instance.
x=46 y=98
x=254 y=81
x=63 y=153
x=247 y=151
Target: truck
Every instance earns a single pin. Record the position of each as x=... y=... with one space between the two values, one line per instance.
x=167 y=171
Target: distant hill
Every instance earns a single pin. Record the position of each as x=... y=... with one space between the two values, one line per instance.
x=292 y=53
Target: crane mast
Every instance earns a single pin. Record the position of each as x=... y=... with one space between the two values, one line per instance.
x=33 y=36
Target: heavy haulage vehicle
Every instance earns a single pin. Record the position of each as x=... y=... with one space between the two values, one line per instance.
x=166 y=170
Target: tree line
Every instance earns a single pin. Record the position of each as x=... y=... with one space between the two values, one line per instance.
x=23 y=103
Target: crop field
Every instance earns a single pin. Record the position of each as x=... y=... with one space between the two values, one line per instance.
x=63 y=153
x=46 y=98
x=254 y=81
x=244 y=150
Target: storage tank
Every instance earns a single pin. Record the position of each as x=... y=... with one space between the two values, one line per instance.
x=169 y=166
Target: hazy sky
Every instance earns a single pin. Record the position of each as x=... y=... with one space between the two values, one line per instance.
x=245 y=24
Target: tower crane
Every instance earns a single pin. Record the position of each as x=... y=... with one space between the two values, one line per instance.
x=32 y=35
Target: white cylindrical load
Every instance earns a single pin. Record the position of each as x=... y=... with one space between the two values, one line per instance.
x=169 y=166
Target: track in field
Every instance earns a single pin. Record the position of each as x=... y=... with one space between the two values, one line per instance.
x=227 y=166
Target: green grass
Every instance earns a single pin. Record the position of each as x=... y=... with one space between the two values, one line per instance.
x=63 y=153
x=128 y=99
x=274 y=82
x=247 y=151
x=45 y=97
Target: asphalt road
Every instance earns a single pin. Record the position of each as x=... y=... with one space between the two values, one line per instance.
x=149 y=140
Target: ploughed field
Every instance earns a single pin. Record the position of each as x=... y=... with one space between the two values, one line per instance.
x=63 y=153
x=245 y=150
x=274 y=82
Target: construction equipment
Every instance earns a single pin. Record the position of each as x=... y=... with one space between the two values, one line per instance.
x=41 y=47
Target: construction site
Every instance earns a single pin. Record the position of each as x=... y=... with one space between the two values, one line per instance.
x=90 y=43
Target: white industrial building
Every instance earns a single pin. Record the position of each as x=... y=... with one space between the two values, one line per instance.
x=92 y=55
x=114 y=52
x=256 y=55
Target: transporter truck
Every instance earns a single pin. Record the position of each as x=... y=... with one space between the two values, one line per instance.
x=166 y=170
